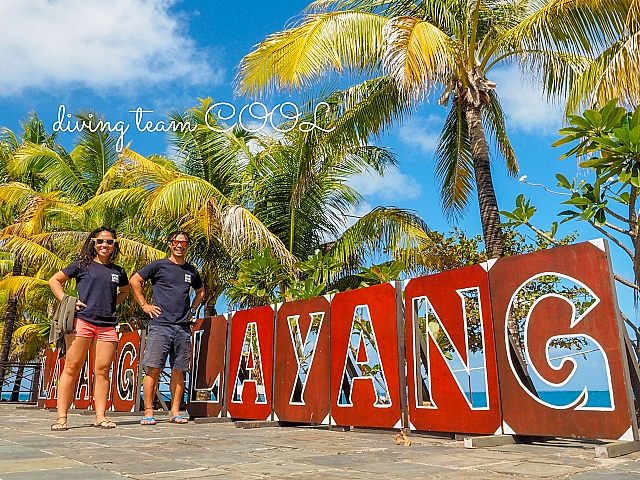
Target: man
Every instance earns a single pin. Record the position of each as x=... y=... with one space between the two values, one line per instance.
x=170 y=321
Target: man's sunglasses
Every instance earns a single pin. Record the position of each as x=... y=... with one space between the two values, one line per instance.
x=181 y=243
x=100 y=241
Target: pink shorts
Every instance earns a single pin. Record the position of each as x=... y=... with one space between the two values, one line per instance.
x=88 y=330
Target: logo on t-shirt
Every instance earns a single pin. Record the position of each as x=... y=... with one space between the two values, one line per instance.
x=115 y=277
x=187 y=278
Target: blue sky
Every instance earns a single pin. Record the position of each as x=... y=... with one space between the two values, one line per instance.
x=117 y=55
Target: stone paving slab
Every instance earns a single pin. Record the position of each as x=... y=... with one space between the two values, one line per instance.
x=28 y=450
x=73 y=473
x=533 y=469
x=185 y=474
x=606 y=475
x=18 y=452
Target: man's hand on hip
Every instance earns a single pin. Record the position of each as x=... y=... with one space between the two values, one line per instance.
x=152 y=310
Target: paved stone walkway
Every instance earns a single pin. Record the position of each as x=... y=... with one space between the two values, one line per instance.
x=29 y=450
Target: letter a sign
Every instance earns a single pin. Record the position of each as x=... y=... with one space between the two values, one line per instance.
x=251 y=364
x=364 y=371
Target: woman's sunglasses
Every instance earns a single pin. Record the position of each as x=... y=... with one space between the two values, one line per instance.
x=108 y=241
x=181 y=243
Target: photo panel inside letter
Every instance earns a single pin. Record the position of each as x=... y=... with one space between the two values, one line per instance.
x=364 y=358
x=558 y=340
x=251 y=364
x=452 y=376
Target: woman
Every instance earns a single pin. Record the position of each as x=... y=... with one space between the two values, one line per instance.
x=97 y=282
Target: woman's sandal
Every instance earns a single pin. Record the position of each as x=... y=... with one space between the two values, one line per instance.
x=59 y=426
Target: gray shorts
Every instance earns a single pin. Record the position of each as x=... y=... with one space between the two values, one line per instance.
x=173 y=341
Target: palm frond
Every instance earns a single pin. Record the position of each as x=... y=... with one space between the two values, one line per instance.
x=181 y=196
x=454 y=163
x=578 y=27
x=211 y=150
x=417 y=55
x=134 y=170
x=36 y=253
x=242 y=232
x=494 y=123
x=95 y=151
x=332 y=41
x=556 y=71
x=363 y=111
x=613 y=74
x=30 y=340
x=136 y=252
x=383 y=230
x=60 y=171
x=23 y=286
x=124 y=200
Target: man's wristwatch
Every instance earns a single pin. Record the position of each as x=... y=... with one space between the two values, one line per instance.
x=193 y=311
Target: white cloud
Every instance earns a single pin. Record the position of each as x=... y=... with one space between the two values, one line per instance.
x=393 y=186
x=524 y=104
x=120 y=44
x=421 y=132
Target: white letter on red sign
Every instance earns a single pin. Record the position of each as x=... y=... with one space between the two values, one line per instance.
x=363 y=361
x=212 y=391
x=470 y=375
x=250 y=366
x=305 y=351
x=591 y=390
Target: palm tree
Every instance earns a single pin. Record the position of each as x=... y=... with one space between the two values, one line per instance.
x=33 y=132
x=49 y=211
x=410 y=49
x=295 y=184
x=222 y=231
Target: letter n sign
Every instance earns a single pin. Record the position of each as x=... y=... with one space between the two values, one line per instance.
x=452 y=376
x=365 y=387
x=303 y=365
x=251 y=364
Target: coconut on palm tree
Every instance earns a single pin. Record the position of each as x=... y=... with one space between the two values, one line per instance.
x=408 y=50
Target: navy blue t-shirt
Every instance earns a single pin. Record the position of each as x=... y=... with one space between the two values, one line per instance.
x=171 y=284
x=97 y=287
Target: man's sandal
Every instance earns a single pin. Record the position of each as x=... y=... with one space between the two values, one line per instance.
x=105 y=424
x=179 y=419
x=147 y=421
x=59 y=426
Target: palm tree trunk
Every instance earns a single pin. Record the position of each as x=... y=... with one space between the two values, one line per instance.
x=490 y=218
x=9 y=320
x=484 y=184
